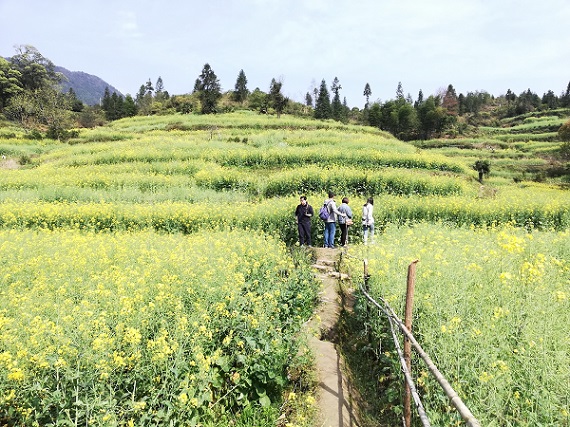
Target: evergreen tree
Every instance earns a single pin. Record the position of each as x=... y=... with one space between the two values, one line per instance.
x=420 y=100
x=399 y=118
x=526 y=102
x=129 y=107
x=116 y=111
x=240 y=93
x=144 y=98
x=209 y=89
x=159 y=86
x=473 y=101
x=431 y=117
x=375 y=115
x=75 y=104
x=106 y=101
x=550 y=100
x=148 y=88
x=276 y=98
x=400 y=92
x=140 y=95
x=112 y=105
x=367 y=92
x=159 y=93
x=323 y=104
x=345 y=111
x=510 y=96
x=336 y=105
x=461 y=104
x=308 y=99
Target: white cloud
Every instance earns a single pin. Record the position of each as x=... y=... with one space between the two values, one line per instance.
x=127 y=25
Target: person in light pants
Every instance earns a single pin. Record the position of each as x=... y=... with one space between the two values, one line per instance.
x=368 y=220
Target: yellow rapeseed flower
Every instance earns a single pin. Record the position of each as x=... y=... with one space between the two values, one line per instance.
x=16 y=374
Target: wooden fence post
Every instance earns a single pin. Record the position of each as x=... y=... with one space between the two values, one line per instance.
x=407 y=345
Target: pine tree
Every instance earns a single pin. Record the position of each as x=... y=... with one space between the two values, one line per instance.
x=116 y=111
x=277 y=100
x=308 y=99
x=74 y=103
x=159 y=93
x=420 y=100
x=323 y=104
x=129 y=107
x=400 y=92
x=159 y=86
x=336 y=105
x=345 y=111
x=209 y=89
x=367 y=92
x=140 y=96
x=106 y=101
x=240 y=93
x=148 y=88
x=510 y=96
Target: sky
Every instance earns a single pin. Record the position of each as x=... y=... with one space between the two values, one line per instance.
x=475 y=45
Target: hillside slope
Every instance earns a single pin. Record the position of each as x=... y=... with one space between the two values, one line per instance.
x=88 y=88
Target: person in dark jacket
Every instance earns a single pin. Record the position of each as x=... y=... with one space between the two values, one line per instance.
x=303 y=214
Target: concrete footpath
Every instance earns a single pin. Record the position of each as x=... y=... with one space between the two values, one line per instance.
x=337 y=408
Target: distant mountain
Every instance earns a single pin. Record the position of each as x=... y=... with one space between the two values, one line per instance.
x=88 y=88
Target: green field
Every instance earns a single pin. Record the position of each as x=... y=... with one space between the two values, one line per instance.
x=150 y=273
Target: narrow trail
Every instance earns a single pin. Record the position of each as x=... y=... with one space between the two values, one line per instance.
x=337 y=404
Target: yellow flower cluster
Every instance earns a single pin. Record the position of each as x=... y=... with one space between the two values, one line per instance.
x=485 y=300
x=122 y=310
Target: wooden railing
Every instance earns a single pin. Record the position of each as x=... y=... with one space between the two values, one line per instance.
x=405 y=327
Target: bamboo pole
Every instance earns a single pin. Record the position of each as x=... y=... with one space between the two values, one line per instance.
x=367 y=288
x=452 y=395
x=407 y=345
x=408 y=377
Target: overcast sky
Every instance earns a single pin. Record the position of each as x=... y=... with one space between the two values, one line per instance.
x=490 y=45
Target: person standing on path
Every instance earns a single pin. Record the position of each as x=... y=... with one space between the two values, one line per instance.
x=344 y=222
x=330 y=223
x=368 y=220
x=303 y=215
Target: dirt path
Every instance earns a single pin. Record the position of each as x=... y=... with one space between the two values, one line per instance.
x=337 y=408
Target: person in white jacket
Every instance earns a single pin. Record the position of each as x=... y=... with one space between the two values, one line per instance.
x=368 y=220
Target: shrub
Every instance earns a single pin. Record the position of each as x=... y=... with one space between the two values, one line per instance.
x=564 y=132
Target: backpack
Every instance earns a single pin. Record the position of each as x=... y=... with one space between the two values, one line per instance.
x=324 y=213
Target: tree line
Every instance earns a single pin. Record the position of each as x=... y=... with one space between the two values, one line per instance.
x=30 y=95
